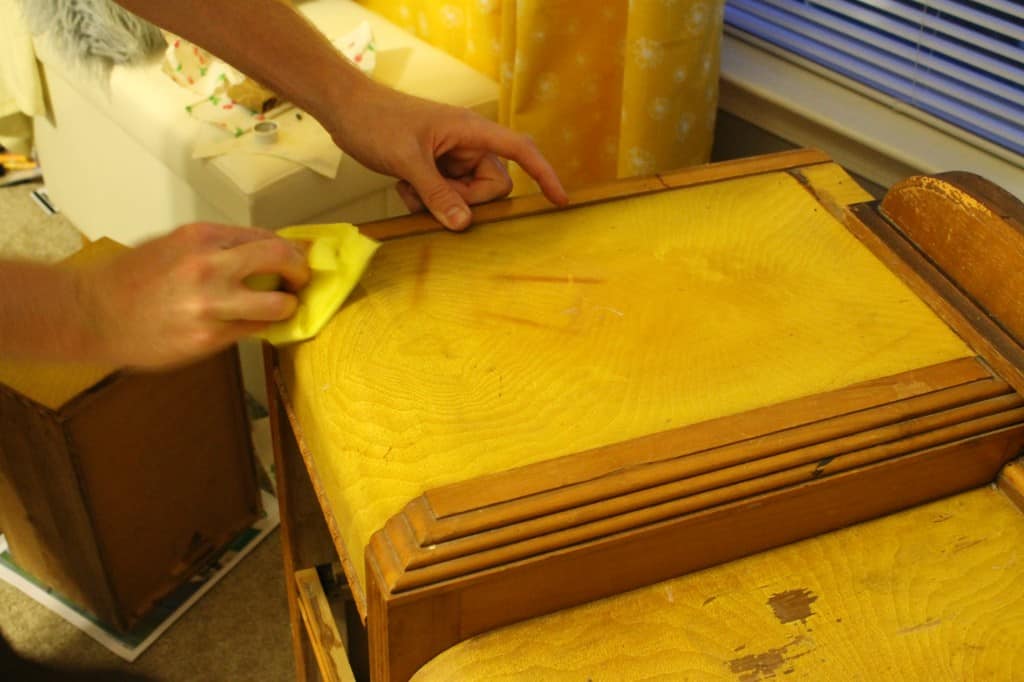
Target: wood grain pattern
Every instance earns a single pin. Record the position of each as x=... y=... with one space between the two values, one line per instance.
x=932 y=593
x=327 y=642
x=797 y=423
x=421 y=548
x=523 y=384
x=674 y=547
x=540 y=337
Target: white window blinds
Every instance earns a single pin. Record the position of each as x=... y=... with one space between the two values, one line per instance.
x=959 y=60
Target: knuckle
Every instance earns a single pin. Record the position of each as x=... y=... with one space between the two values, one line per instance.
x=204 y=339
x=197 y=268
x=282 y=307
x=197 y=233
x=436 y=193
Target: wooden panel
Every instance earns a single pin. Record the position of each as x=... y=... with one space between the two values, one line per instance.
x=46 y=521
x=974 y=232
x=326 y=641
x=527 y=340
x=166 y=463
x=932 y=593
x=999 y=349
x=677 y=546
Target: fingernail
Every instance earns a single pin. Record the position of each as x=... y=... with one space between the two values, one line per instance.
x=456 y=218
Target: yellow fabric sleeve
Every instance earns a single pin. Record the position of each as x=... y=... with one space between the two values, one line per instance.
x=338 y=256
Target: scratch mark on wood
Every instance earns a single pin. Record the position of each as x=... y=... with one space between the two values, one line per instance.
x=709 y=600
x=819 y=469
x=792 y=605
x=566 y=279
x=523 y=321
x=965 y=543
x=927 y=625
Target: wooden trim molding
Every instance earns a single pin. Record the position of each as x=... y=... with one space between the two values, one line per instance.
x=519 y=207
x=958 y=242
x=474 y=556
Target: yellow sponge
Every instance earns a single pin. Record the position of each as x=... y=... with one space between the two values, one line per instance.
x=338 y=256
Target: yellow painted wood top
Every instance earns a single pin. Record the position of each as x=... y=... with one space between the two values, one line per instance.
x=932 y=594
x=53 y=384
x=465 y=354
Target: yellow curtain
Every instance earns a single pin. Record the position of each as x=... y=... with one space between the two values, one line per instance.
x=607 y=89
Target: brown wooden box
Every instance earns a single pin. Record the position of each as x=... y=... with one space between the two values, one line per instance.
x=116 y=486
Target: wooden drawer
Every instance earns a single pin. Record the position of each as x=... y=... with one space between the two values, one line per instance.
x=671 y=374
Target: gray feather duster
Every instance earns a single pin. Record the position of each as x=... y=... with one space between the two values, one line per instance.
x=93 y=33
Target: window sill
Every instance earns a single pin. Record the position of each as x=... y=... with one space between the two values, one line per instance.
x=871 y=136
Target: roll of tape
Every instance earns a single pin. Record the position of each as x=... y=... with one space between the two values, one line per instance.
x=265 y=132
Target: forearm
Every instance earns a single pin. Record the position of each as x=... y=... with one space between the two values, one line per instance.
x=268 y=41
x=42 y=315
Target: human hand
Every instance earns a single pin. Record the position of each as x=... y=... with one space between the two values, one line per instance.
x=446 y=157
x=182 y=296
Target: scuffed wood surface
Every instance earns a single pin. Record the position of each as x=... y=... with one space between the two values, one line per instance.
x=932 y=593
x=464 y=355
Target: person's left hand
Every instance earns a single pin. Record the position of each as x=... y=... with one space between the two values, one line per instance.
x=446 y=157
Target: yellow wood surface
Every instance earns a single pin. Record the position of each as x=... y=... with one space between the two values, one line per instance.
x=464 y=354
x=53 y=384
x=932 y=594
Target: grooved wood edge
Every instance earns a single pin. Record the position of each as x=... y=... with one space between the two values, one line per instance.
x=518 y=207
x=598 y=463
x=637 y=496
x=413 y=627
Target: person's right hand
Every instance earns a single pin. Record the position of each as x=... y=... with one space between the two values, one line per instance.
x=446 y=158
x=182 y=296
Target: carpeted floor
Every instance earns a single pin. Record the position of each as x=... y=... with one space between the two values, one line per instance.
x=238 y=631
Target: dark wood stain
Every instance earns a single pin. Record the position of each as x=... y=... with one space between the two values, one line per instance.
x=792 y=605
x=559 y=279
x=754 y=667
x=422 y=268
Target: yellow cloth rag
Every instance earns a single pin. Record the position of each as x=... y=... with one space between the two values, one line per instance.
x=338 y=255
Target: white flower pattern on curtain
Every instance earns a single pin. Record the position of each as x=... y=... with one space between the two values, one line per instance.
x=623 y=88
